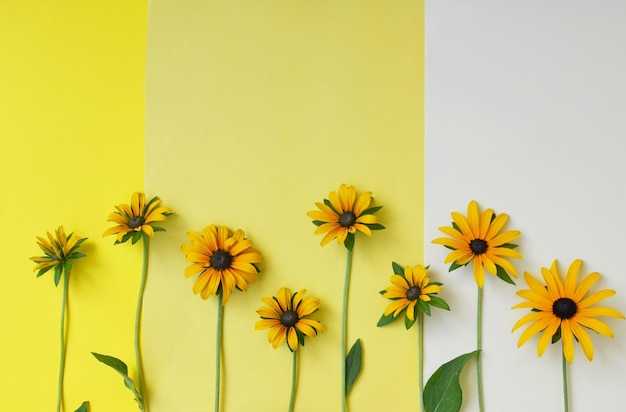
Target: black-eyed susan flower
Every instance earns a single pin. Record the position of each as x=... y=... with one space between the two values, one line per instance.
x=223 y=260
x=343 y=214
x=564 y=309
x=286 y=316
x=59 y=250
x=410 y=291
x=477 y=238
x=137 y=218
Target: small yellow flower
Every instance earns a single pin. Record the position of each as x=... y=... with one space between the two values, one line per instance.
x=59 y=249
x=286 y=317
x=564 y=309
x=342 y=214
x=477 y=238
x=137 y=218
x=224 y=261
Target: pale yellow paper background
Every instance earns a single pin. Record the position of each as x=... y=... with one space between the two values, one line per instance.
x=71 y=124
x=255 y=111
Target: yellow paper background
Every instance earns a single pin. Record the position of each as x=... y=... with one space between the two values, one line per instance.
x=255 y=111
x=71 y=121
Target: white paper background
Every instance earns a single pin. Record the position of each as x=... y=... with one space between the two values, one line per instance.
x=525 y=105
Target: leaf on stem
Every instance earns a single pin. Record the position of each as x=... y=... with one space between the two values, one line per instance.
x=84 y=407
x=442 y=392
x=121 y=368
x=353 y=364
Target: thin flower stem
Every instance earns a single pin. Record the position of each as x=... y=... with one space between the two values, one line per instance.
x=346 y=287
x=142 y=286
x=565 y=385
x=66 y=282
x=479 y=348
x=420 y=360
x=218 y=351
x=294 y=380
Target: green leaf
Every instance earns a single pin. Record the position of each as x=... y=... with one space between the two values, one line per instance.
x=158 y=229
x=557 y=335
x=67 y=265
x=397 y=269
x=43 y=270
x=136 y=236
x=77 y=244
x=76 y=255
x=121 y=368
x=508 y=246
x=353 y=364
x=385 y=320
x=318 y=222
x=408 y=322
x=455 y=266
x=501 y=273
x=423 y=306
x=330 y=205
x=371 y=210
x=454 y=225
x=374 y=226
x=84 y=407
x=58 y=271
x=442 y=392
x=349 y=242
x=438 y=302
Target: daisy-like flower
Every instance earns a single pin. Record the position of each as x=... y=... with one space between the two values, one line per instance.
x=59 y=249
x=411 y=290
x=137 y=218
x=477 y=238
x=286 y=317
x=564 y=309
x=223 y=260
x=342 y=214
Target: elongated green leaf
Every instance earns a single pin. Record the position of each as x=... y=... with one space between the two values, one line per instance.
x=509 y=245
x=318 y=222
x=455 y=266
x=424 y=307
x=84 y=407
x=44 y=270
x=121 y=368
x=330 y=205
x=501 y=273
x=353 y=364
x=349 y=242
x=397 y=269
x=136 y=237
x=442 y=392
x=438 y=302
x=58 y=271
x=375 y=226
x=371 y=210
x=385 y=320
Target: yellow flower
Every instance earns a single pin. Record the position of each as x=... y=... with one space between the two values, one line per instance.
x=477 y=238
x=564 y=309
x=59 y=249
x=223 y=260
x=286 y=317
x=411 y=290
x=342 y=214
x=137 y=218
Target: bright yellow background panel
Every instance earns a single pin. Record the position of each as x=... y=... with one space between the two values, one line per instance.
x=72 y=123
x=255 y=111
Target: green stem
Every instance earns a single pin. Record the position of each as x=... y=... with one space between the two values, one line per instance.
x=294 y=380
x=479 y=348
x=218 y=347
x=66 y=282
x=420 y=360
x=565 y=385
x=142 y=286
x=346 y=287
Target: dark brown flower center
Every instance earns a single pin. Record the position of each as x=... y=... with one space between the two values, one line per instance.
x=347 y=219
x=135 y=221
x=413 y=293
x=221 y=260
x=564 y=308
x=289 y=318
x=478 y=246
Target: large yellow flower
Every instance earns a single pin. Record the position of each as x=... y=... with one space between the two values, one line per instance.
x=563 y=308
x=286 y=317
x=59 y=249
x=223 y=260
x=411 y=290
x=477 y=238
x=342 y=214
x=137 y=218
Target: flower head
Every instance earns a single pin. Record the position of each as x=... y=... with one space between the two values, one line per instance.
x=286 y=317
x=342 y=214
x=59 y=249
x=410 y=292
x=224 y=261
x=477 y=238
x=137 y=218
x=563 y=309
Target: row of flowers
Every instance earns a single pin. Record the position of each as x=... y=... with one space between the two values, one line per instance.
x=225 y=260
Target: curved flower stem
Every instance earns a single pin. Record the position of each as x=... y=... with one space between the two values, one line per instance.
x=346 y=287
x=479 y=348
x=66 y=282
x=420 y=360
x=218 y=351
x=142 y=286
x=565 y=385
x=294 y=380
